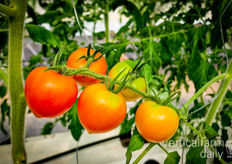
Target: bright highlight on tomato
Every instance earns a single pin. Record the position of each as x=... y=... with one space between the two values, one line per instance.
x=156 y=123
x=100 y=110
x=98 y=66
x=48 y=93
x=139 y=83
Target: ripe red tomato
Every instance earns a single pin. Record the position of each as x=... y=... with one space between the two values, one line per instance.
x=100 y=110
x=139 y=83
x=156 y=123
x=98 y=66
x=48 y=93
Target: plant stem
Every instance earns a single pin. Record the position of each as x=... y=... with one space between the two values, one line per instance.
x=144 y=153
x=203 y=139
x=214 y=107
x=164 y=149
x=200 y=91
x=191 y=127
x=16 y=89
x=4 y=76
x=86 y=71
x=106 y=17
x=6 y=10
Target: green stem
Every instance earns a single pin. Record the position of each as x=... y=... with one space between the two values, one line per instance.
x=204 y=140
x=4 y=30
x=6 y=10
x=16 y=89
x=214 y=107
x=191 y=127
x=4 y=76
x=164 y=149
x=106 y=17
x=144 y=153
x=86 y=71
x=200 y=91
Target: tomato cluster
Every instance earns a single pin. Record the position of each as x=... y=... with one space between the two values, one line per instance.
x=49 y=93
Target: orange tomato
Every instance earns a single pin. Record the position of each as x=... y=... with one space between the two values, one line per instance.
x=48 y=93
x=156 y=123
x=98 y=66
x=100 y=110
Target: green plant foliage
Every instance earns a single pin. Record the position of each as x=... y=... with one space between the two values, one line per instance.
x=74 y=123
x=173 y=157
x=136 y=143
x=193 y=155
x=42 y=35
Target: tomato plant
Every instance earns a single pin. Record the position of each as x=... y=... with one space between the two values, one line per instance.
x=182 y=43
x=138 y=82
x=75 y=61
x=102 y=112
x=48 y=93
x=156 y=123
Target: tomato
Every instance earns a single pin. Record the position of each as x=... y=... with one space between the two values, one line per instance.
x=100 y=110
x=156 y=123
x=139 y=83
x=48 y=93
x=98 y=66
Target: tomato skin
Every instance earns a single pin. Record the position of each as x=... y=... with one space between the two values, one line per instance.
x=100 y=110
x=98 y=66
x=139 y=83
x=49 y=94
x=156 y=123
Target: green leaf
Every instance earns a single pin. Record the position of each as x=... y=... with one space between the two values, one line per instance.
x=5 y=109
x=47 y=129
x=2 y=91
x=151 y=52
x=75 y=125
x=225 y=120
x=136 y=143
x=42 y=35
x=172 y=158
x=224 y=136
x=199 y=69
x=175 y=42
x=135 y=12
x=194 y=155
x=126 y=125
x=209 y=130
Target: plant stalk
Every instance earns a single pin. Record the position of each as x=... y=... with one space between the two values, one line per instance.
x=6 y=10
x=200 y=91
x=16 y=89
x=214 y=107
x=4 y=76
x=106 y=17
x=144 y=153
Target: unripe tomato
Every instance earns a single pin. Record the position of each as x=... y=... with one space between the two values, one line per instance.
x=100 y=110
x=156 y=123
x=48 y=93
x=139 y=83
x=98 y=66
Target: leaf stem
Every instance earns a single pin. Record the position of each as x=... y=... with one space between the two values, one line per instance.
x=106 y=17
x=214 y=107
x=4 y=76
x=200 y=91
x=6 y=10
x=163 y=149
x=144 y=153
x=204 y=140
